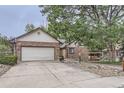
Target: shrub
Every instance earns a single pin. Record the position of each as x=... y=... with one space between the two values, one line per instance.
x=8 y=60
x=112 y=62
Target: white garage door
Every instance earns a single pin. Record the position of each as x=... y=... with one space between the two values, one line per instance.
x=37 y=53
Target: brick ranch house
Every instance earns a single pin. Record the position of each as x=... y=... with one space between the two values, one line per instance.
x=38 y=45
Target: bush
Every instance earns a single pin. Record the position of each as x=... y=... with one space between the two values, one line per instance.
x=111 y=62
x=8 y=60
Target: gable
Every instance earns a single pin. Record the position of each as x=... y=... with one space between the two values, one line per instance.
x=37 y=36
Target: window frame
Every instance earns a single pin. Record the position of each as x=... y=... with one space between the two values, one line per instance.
x=70 y=49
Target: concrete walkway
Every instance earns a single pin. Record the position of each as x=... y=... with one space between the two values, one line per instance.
x=53 y=75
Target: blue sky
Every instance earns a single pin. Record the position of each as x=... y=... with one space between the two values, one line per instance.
x=14 y=18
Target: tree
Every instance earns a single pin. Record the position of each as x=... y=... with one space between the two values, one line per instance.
x=43 y=28
x=63 y=22
x=109 y=21
x=4 y=40
x=5 y=44
x=29 y=27
x=97 y=27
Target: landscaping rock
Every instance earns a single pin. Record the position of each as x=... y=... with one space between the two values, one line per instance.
x=121 y=86
x=4 y=68
x=101 y=69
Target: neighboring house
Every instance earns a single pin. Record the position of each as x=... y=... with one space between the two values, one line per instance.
x=36 y=45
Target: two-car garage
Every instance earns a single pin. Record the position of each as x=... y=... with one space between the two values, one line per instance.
x=37 y=53
x=36 y=45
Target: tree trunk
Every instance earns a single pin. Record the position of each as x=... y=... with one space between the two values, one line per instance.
x=112 y=53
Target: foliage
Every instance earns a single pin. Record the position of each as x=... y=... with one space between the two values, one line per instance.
x=111 y=62
x=5 y=44
x=61 y=23
x=29 y=27
x=43 y=28
x=8 y=60
x=4 y=40
x=96 y=26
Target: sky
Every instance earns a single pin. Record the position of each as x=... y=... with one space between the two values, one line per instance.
x=13 y=19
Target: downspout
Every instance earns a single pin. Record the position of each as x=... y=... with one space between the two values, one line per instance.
x=14 y=45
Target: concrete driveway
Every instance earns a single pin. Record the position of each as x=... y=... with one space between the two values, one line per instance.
x=47 y=74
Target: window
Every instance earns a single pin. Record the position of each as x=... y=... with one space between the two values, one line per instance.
x=71 y=50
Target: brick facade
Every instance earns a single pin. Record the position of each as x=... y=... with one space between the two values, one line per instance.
x=74 y=55
x=78 y=51
x=20 y=44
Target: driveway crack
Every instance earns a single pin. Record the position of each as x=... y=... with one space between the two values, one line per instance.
x=53 y=74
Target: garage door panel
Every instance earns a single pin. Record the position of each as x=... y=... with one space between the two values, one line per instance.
x=37 y=53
